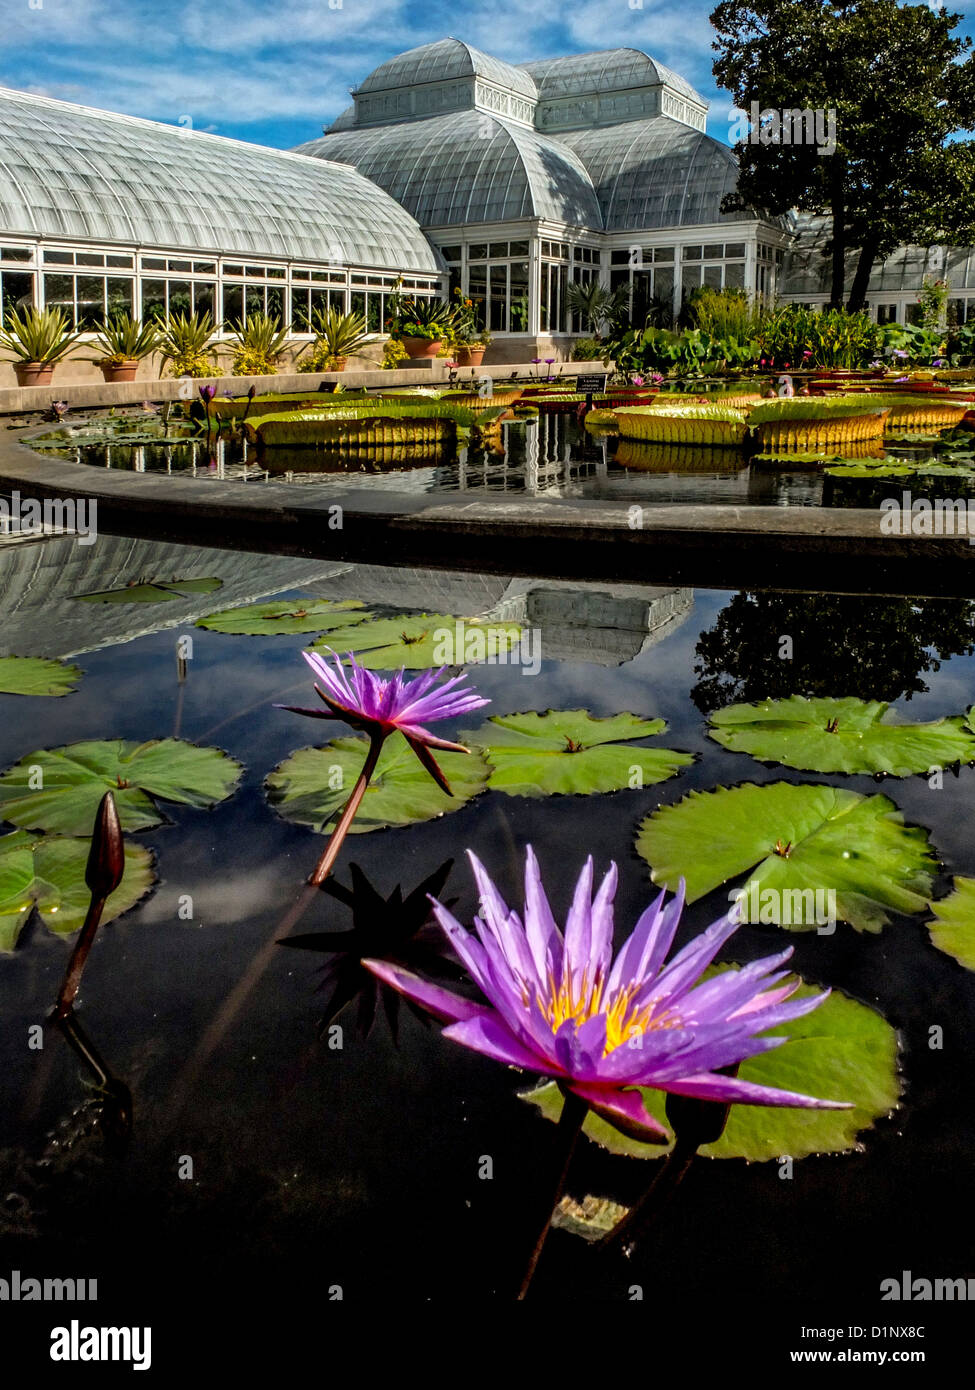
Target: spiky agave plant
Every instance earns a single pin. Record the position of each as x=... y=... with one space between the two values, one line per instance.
x=186 y=343
x=259 y=343
x=337 y=336
x=125 y=339
x=37 y=335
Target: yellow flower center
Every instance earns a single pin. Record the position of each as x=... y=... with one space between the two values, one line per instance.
x=585 y=1001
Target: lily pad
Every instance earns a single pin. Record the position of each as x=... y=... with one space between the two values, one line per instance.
x=844 y=735
x=592 y=1218
x=313 y=785
x=418 y=641
x=841 y=1051
x=797 y=841
x=153 y=591
x=571 y=751
x=59 y=789
x=46 y=873
x=288 y=615
x=953 y=928
x=33 y=675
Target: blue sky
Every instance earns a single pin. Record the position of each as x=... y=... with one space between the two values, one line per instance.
x=274 y=71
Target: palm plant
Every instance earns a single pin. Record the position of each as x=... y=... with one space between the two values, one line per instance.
x=125 y=339
x=259 y=342
x=185 y=343
x=337 y=336
x=37 y=335
x=598 y=307
x=426 y=318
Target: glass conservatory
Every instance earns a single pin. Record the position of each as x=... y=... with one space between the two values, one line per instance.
x=529 y=178
x=101 y=212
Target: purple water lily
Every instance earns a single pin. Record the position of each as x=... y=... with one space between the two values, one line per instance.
x=563 y=1007
x=207 y=393
x=381 y=706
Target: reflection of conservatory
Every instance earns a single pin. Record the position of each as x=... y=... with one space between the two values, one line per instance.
x=102 y=213
x=569 y=169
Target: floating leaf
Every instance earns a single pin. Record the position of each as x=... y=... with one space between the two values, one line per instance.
x=313 y=785
x=33 y=675
x=47 y=873
x=592 y=1218
x=953 y=928
x=843 y=735
x=571 y=751
x=59 y=789
x=418 y=641
x=841 y=1051
x=803 y=839
x=287 y=615
x=153 y=591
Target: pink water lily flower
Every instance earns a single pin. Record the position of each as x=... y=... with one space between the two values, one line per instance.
x=380 y=706
x=562 y=1006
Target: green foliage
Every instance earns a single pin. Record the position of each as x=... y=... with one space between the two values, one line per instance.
x=185 y=344
x=833 y=338
x=588 y=350
x=418 y=641
x=724 y=313
x=598 y=307
x=394 y=356
x=953 y=928
x=37 y=335
x=288 y=616
x=336 y=335
x=961 y=345
x=32 y=675
x=258 y=344
x=933 y=300
x=126 y=339
x=912 y=344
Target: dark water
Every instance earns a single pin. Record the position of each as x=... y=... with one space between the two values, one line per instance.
x=358 y=1168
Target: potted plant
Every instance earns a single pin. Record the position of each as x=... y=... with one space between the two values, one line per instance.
x=185 y=344
x=258 y=343
x=38 y=339
x=122 y=344
x=422 y=325
x=469 y=341
x=338 y=337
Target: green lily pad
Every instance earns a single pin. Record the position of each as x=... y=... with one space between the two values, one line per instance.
x=845 y=735
x=313 y=785
x=571 y=751
x=59 y=789
x=46 y=873
x=592 y=1218
x=841 y=1051
x=287 y=615
x=33 y=675
x=797 y=841
x=953 y=928
x=153 y=591
x=418 y=641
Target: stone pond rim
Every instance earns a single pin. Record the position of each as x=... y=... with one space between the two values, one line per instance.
x=803 y=549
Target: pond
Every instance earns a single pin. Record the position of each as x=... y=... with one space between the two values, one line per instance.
x=260 y=1152
x=551 y=455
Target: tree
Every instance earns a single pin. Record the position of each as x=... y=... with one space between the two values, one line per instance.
x=902 y=86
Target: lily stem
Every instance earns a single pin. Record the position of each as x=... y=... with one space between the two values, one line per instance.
x=574 y=1111
x=79 y=957
x=627 y=1233
x=324 y=866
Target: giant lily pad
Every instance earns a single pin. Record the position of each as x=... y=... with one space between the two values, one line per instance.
x=47 y=873
x=841 y=1051
x=798 y=841
x=59 y=789
x=953 y=928
x=287 y=615
x=570 y=751
x=418 y=641
x=33 y=675
x=313 y=785
x=153 y=591
x=845 y=735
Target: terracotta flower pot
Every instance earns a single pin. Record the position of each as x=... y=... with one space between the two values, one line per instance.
x=421 y=347
x=34 y=373
x=470 y=356
x=119 y=371
x=338 y=364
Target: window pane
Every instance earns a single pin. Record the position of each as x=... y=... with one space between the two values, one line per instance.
x=663 y=253
x=450 y=253
x=714 y=252
x=153 y=298
x=734 y=275
x=254 y=300
x=275 y=300
x=119 y=261
x=712 y=276
x=153 y=263
x=233 y=304
x=276 y=272
x=498 y=248
x=204 y=298
x=119 y=296
x=179 y=297
x=14 y=253
x=59 y=294
x=257 y=271
x=89 y=258
x=205 y=267
x=358 y=303
x=518 y=248
x=690 y=277
x=233 y=270
x=181 y=267
x=477 y=251
x=336 y=299
x=519 y=296
x=498 y=298
x=735 y=248
x=91 y=301
x=663 y=285
x=16 y=292
x=374 y=312
x=692 y=253
x=58 y=258
x=477 y=290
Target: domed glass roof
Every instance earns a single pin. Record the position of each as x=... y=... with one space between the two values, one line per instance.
x=69 y=171
x=656 y=173
x=447 y=58
x=468 y=166
x=609 y=70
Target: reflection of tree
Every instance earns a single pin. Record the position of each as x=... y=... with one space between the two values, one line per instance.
x=872 y=648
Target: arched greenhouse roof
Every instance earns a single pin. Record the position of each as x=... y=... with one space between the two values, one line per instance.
x=609 y=70
x=70 y=171
x=469 y=166
x=656 y=173
x=445 y=59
